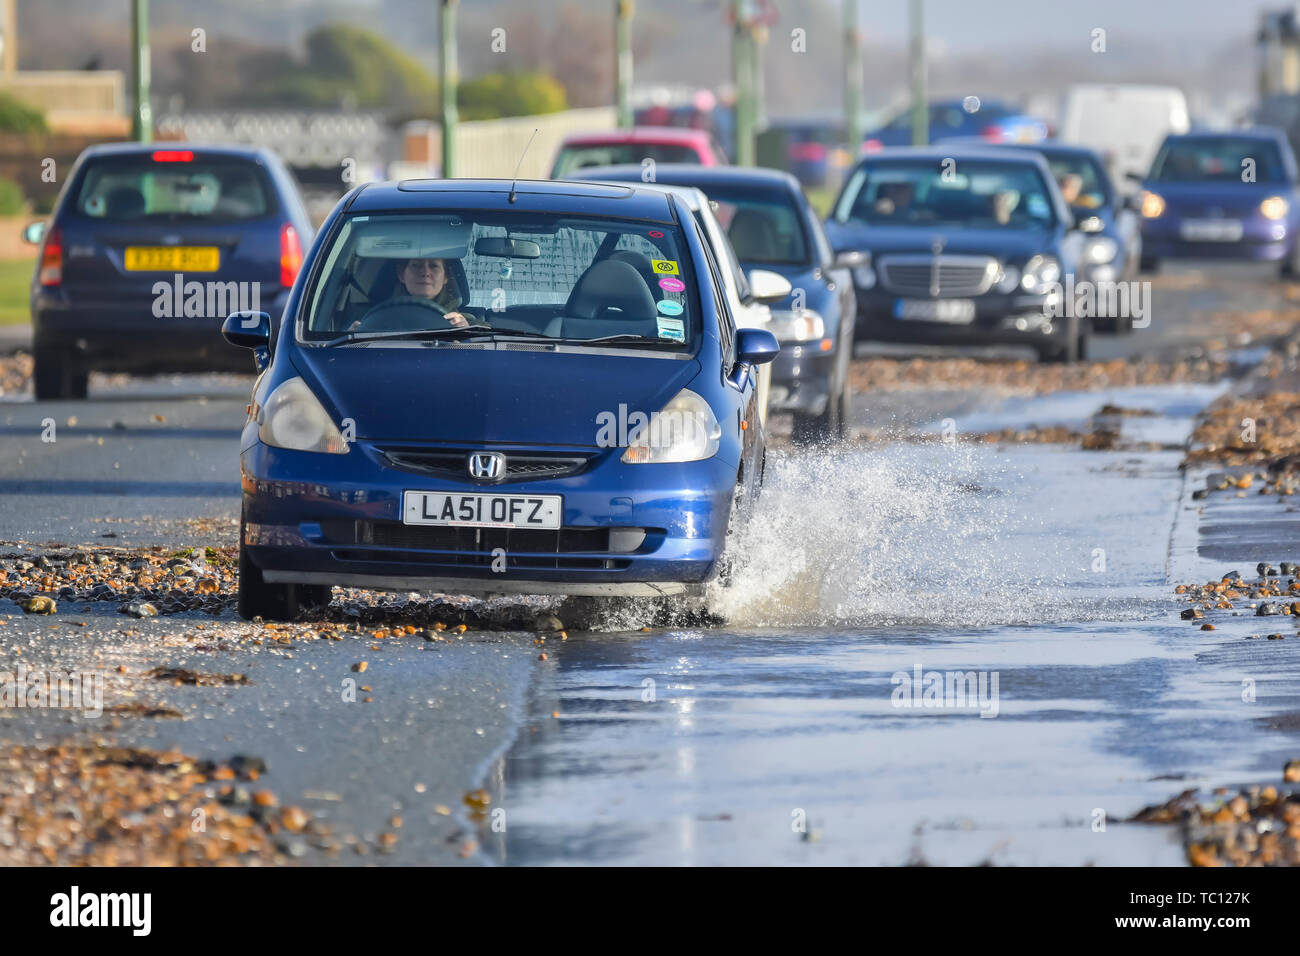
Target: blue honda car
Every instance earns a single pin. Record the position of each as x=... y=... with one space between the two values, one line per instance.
x=149 y=249
x=473 y=390
x=1230 y=195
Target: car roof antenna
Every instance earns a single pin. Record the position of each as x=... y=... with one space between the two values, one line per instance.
x=513 y=196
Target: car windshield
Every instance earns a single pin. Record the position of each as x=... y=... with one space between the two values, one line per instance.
x=615 y=154
x=173 y=185
x=1080 y=180
x=392 y=276
x=954 y=192
x=1219 y=159
x=764 y=228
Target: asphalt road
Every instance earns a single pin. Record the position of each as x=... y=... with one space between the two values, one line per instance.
x=983 y=561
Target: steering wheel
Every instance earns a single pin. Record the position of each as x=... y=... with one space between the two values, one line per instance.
x=376 y=312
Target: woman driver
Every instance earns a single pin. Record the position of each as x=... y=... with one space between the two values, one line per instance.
x=427 y=279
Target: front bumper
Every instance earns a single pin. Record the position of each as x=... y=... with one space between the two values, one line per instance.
x=336 y=519
x=1262 y=240
x=1014 y=319
x=127 y=337
x=801 y=378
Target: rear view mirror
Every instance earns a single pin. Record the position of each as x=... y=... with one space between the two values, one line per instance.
x=756 y=346
x=767 y=286
x=34 y=233
x=503 y=247
x=248 y=330
x=848 y=259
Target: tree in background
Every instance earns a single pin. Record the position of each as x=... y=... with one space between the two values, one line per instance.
x=18 y=117
x=510 y=94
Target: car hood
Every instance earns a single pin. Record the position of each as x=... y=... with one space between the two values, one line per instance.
x=472 y=396
x=1013 y=244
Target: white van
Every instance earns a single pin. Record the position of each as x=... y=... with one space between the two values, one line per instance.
x=1125 y=123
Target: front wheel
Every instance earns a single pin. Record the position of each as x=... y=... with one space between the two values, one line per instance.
x=272 y=602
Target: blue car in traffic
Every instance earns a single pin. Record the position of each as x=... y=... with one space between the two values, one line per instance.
x=149 y=249
x=1229 y=195
x=772 y=226
x=991 y=121
x=474 y=391
x=961 y=246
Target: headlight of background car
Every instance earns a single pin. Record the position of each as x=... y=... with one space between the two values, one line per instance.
x=802 y=326
x=1040 y=273
x=1008 y=279
x=1274 y=207
x=684 y=430
x=864 y=274
x=1100 y=250
x=293 y=418
x=1152 y=205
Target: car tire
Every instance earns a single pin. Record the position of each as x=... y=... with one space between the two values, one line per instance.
x=272 y=602
x=830 y=426
x=1073 y=349
x=58 y=375
x=1148 y=265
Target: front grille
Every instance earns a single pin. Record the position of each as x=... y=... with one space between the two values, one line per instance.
x=522 y=548
x=943 y=277
x=454 y=463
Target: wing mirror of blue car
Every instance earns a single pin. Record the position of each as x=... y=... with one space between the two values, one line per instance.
x=250 y=330
x=753 y=347
x=765 y=286
x=34 y=233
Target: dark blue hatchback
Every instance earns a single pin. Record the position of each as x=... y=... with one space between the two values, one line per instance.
x=149 y=249
x=481 y=387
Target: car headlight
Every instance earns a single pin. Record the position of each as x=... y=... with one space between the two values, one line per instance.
x=293 y=418
x=683 y=430
x=1274 y=207
x=1153 y=206
x=1100 y=250
x=1040 y=273
x=802 y=326
x=864 y=274
x=1008 y=279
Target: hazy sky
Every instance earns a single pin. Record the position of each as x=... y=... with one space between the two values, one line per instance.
x=971 y=23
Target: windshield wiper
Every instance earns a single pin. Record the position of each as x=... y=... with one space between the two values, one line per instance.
x=622 y=337
x=455 y=332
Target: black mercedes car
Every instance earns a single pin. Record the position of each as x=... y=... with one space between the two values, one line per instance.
x=961 y=246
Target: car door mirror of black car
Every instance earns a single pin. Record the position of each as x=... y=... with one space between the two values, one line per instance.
x=34 y=232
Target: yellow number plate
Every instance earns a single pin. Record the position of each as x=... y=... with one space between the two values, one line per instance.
x=172 y=258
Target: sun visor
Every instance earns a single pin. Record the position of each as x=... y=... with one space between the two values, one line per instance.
x=394 y=238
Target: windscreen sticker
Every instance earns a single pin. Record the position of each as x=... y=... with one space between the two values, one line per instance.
x=664 y=267
x=669 y=307
x=674 y=329
x=672 y=285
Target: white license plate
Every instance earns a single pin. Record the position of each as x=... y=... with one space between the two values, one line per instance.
x=956 y=311
x=482 y=511
x=1211 y=230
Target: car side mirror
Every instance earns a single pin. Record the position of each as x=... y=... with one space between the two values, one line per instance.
x=34 y=232
x=756 y=346
x=848 y=259
x=765 y=286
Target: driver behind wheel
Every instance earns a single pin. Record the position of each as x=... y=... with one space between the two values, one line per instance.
x=427 y=279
